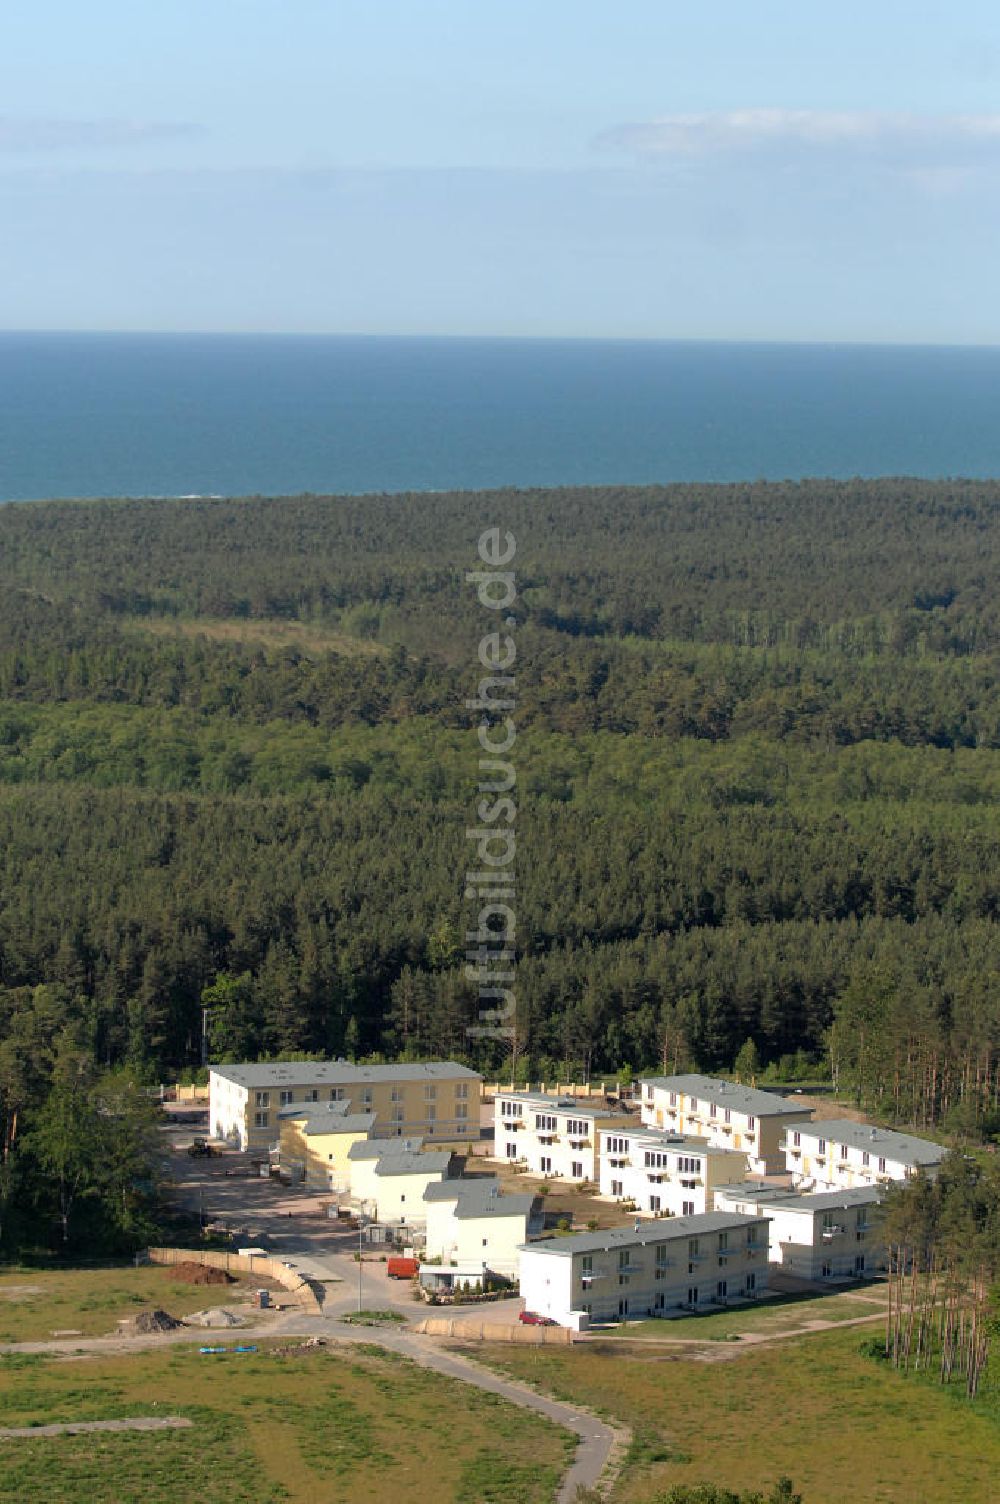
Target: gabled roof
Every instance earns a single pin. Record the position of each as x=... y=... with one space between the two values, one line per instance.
x=480 y=1197
x=746 y=1099
x=438 y=1163
x=380 y=1148
x=327 y=1117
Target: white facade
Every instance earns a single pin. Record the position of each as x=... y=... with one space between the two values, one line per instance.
x=550 y=1136
x=653 y=1269
x=664 y=1174
x=839 y=1154
x=728 y=1115
x=473 y=1222
x=831 y=1235
x=389 y=1178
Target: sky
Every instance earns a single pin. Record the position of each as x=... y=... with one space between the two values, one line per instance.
x=726 y=169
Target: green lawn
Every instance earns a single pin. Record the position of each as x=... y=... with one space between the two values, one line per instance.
x=764 y=1318
x=316 y=1427
x=840 y=1425
x=35 y=1303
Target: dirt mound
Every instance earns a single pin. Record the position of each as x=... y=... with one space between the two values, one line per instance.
x=190 y=1273
x=149 y=1321
x=215 y=1316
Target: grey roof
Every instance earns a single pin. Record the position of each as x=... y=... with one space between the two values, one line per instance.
x=904 y=1148
x=480 y=1198
x=323 y=1117
x=463 y=1185
x=379 y=1148
x=415 y=1164
x=747 y=1099
x=337 y=1073
x=802 y=1201
x=642 y=1235
x=579 y=1106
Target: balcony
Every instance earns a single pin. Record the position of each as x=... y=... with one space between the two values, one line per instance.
x=831 y=1232
x=578 y=1141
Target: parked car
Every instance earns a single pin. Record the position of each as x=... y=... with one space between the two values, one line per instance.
x=531 y=1318
x=199 y=1148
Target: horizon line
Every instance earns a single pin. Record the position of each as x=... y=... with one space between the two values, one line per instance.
x=768 y=341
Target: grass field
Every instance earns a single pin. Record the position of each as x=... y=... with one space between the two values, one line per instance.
x=840 y=1425
x=764 y=1318
x=272 y=634
x=35 y=1303
x=314 y=1427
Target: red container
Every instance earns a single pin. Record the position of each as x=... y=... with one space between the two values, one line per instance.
x=400 y=1268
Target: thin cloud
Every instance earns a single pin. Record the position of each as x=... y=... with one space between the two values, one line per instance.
x=30 y=134
x=687 y=136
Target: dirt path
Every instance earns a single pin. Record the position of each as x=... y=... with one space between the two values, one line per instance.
x=76 y=1427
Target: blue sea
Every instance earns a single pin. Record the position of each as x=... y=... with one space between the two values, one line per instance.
x=173 y=415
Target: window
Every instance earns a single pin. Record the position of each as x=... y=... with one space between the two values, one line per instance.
x=843 y=1151
x=687 y=1208
x=461 y=1111
x=881 y=1166
x=713 y=1110
x=649 y=1091
x=866 y=1158
x=750 y=1282
x=397 y=1114
x=577 y=1127
x=796 y=1139
x=826 y=1269
x=662 y=1260
x=260 y=1119
x=286 y=1098
x=485 y=1241
x=623 y=1279
x=859 y=1263
x=616 y=1145
x=654 y=1203
x=263 y=1099
x=544 y=1123
x=692 y=1295
x=462 y=1092
x=576 y=1169
x=432 y=1113
x=403 y=1197
x=616 y=1188
x=673 y=1098
x=821 y=1146
x=721 y=1289
x=694 y=1105
x=313 y=1095
x=337 y=1094
x=587 y=1266
x=366 y=1097
x=751 y=1124
x=511 y=1151
x=727 y=1116
x=430 y=1092
x=623 y=1258
x=623 y=1308
x=396 y=1095
x=692 y=1248
x=723 y=1241
x=546 y=1164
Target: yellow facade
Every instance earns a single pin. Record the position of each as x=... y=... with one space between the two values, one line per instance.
x=320 y=1159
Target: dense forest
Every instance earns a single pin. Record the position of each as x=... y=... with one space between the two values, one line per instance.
x=758 y=769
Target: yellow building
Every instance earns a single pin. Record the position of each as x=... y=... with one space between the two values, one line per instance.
x=438 y=1099
x=315 y=1139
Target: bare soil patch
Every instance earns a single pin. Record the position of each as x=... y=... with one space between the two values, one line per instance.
x=191 y=1273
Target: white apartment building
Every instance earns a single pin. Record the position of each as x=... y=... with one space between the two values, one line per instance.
x=438 y=1098
x=651 y=1269
x=470 y=1222
x=665 y=1174
x=826 y=1235
x=550 y=1136
x=388 y=1184
x=728 y=1115
x=839 y=1154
